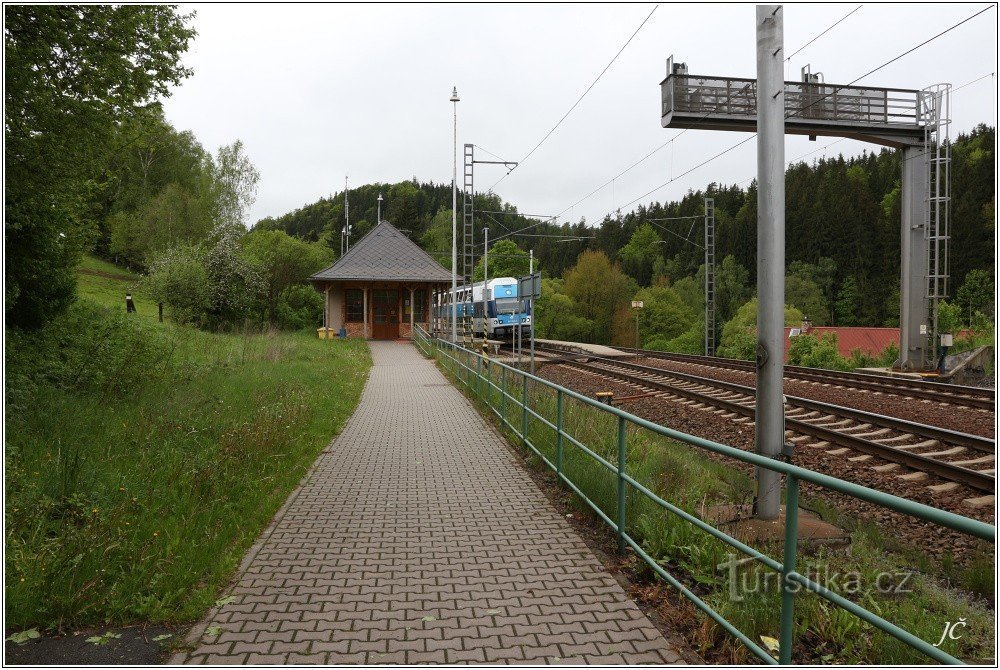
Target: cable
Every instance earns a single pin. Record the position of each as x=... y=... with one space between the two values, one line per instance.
x=580 y=99
x=970 y=83
x=824 y=32
x=892 y=60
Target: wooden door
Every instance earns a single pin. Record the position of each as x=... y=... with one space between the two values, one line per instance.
x=385 y=314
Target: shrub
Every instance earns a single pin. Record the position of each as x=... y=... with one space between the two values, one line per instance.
x=178 y=279
x=299 y=307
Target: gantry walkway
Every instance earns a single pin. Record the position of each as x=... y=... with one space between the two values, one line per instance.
x=417 y=538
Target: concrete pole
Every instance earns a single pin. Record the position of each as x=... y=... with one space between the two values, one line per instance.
x=913 y=312
x=770 y=424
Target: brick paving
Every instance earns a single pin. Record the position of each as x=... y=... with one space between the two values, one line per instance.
x=418 y=538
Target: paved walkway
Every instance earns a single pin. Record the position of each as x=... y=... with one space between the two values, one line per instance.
x=417 y=538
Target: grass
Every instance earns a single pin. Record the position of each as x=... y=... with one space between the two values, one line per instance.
x=144 y=459
x=869 y=572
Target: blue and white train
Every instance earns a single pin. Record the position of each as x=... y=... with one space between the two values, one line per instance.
x=503 y=311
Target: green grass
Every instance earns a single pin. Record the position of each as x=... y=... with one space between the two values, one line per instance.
x=144 y=459
x=682 y=475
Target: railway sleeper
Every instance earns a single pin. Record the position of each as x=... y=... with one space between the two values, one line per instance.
x=850 y=430
x=975 y=461
x=875 y=433
x=945 y=452
x=861 y=459
x=943 y=488
x=918 y=445
x=914 y=476
x=843 y=423
x=981 y=501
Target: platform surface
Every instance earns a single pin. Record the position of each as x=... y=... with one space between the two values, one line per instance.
x=418 y=538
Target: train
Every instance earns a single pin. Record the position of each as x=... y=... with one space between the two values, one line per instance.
x=503 y=310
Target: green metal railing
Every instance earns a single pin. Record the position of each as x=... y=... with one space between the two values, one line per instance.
x=473 y=370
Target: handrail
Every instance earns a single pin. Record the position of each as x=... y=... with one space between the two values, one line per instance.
x=472 y=376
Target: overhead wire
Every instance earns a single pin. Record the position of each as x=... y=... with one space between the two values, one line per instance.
x=870 y=72
x=892 y=60
x=842 y=19
x=578 y=101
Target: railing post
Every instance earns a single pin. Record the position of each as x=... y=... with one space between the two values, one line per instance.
x=788 y=566
x=479 y=376
x=559 y=431
x=621 y=484
x=503 y=393
x=524 y=408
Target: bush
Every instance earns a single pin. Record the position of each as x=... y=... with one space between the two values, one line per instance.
x=299 y=307
x=178 y=279
x=85 y=349
x=817 y=352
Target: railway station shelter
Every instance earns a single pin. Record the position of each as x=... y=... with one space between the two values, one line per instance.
x=380 y=288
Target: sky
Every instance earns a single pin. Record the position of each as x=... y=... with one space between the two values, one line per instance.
x=320 y=92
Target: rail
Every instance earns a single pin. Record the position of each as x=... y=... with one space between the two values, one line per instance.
x=475 y=371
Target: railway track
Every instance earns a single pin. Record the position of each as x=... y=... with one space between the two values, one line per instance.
x=952 y=394
x=958 y=458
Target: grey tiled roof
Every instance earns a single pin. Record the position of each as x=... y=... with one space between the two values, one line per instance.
x=385 y=254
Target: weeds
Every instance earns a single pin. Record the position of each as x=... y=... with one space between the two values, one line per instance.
x=143 y=459
x=882 y=576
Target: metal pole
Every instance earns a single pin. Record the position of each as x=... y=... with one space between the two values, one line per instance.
x=486 y=277
x=788 y=587
x=621 y=484
x=769 y=425
x=531 y=310
x=454 y=218
x=347 y=221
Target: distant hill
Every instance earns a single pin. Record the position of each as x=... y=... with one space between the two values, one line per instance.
x=846 y=209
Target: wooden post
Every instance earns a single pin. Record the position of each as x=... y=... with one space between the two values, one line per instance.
x=364 y=293
x=160 y=309
x=413 y=307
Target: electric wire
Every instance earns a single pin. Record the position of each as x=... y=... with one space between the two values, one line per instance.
x=892 y=60
x=870 y=72
x=579 y=100
x=824 y=32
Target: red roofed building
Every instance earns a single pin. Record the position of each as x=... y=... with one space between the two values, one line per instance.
x=871 y=341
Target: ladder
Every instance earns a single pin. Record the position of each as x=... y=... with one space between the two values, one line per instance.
x=467 y=217
x=936 y=102
x=709 y=276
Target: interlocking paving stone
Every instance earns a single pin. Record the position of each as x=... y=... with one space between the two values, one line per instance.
x=418 y=538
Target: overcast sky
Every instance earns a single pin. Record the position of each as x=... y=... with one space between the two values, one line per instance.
x=317 y=92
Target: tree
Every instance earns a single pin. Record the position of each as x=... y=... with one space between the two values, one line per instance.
x=71 y=74
x=598 y=288
x=178 y=279
x=847 y=304
x=808 y=297
x=663 y=315
x=282 y=262
x=557 y=316
x=235 y=287
x=235 y=183
x=739 y=335
x=639 y=255
x=506 y=260
x=976 y=294
x=732 y=288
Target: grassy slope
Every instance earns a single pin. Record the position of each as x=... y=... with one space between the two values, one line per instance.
x=139 y=505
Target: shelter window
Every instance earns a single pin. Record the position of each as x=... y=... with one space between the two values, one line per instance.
x=354 y=301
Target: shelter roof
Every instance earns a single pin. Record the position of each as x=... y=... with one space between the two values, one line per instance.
x=384 y=254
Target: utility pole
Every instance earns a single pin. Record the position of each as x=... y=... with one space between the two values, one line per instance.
x=454 y=217
x=486 y=277
x=769 y=422
x=531 y=309
x=347 y=222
